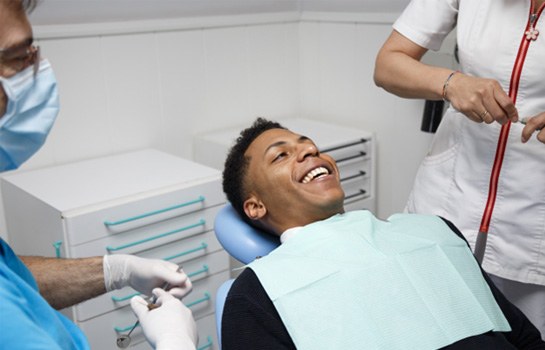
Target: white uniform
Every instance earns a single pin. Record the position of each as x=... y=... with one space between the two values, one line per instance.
x=453 y=180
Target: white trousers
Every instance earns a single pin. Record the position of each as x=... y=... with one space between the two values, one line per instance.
x=529 y=298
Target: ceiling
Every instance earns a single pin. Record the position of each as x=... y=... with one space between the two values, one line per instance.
x=54 y=12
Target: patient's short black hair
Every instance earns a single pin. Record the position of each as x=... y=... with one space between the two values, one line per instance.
x=236 y=164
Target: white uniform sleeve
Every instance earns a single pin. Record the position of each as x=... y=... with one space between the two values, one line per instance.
x=428 y=22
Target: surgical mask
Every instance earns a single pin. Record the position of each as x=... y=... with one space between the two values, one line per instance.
x=32 y=107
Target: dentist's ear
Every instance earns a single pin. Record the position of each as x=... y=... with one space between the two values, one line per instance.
x=254 y=208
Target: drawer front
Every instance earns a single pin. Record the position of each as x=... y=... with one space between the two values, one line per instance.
x=102 y=334
x=361 y=204
x=197 y=269
x=356 y=168
x=352 y=150
x=356 y=189
x=356 y=179
x=184 y=227
x=110 y=221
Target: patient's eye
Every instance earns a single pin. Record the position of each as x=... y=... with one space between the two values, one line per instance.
x=279 y=156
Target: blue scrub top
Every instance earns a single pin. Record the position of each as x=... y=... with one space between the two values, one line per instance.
x=27 y=321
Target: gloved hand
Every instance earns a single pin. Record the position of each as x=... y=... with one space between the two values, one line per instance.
x=143 y=275
x=170 y=326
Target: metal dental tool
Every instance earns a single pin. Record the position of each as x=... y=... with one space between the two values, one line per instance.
x=124 y=340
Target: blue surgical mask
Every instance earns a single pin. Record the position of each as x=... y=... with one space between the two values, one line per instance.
x=32 y=106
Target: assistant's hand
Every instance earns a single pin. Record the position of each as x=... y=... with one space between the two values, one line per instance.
x=170 y=326
x=481 y=100
x=143 y=275
x=536 y=123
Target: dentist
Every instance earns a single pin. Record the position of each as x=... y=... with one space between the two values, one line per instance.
x=31 y=288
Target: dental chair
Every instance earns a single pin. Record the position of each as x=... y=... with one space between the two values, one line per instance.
x=244 y=243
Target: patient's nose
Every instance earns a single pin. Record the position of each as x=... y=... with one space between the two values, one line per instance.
x=307 y=150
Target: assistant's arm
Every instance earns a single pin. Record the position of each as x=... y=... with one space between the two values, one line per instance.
x=66 y=282
x=398 y=69
x=523 y=334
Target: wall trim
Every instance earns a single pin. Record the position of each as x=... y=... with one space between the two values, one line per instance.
x=44 y=32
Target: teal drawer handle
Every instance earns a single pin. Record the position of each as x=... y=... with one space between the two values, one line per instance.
x=57 y=246
x=202 y=300
x=132 y=244
x=160 y=211
x=198 y=272
x=125 y=329
x=207 y=345
x=127 y=297
x=203 y=246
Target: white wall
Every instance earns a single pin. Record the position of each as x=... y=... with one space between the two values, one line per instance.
x=158 y=89
x=337 y=58
x=128 y=89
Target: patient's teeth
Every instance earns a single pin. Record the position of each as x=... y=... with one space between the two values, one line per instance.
x=313 y=173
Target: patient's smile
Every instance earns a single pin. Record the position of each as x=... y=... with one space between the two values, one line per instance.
x=315 y=174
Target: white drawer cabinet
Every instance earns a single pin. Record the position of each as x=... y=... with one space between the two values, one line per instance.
x=145 y=203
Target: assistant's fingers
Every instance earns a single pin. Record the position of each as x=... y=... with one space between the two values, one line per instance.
x=541 y=136
x=495 y=111
x=506 y=104
x=533 y=124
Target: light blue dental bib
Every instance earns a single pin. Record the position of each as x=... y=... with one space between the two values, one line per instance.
x=353 y=282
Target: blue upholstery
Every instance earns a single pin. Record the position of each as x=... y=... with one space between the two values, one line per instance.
x=242 y=242
x=221 y=294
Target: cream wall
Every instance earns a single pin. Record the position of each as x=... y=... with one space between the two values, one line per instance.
x=151 y=84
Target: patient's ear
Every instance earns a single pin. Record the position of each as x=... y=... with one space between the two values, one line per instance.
x=254 y=208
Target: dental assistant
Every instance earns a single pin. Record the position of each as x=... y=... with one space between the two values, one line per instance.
x=486 y=165
x=31 y=288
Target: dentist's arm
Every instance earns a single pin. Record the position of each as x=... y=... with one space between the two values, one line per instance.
x=66 y=282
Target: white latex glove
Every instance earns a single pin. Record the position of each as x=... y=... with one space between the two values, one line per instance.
x=143 y=275
x=168 y=327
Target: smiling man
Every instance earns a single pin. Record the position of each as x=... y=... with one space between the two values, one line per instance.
x=348 y=280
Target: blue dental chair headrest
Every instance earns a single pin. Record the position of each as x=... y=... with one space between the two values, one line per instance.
x=240 y=240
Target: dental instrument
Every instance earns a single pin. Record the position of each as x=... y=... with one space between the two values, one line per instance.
x=124 y=340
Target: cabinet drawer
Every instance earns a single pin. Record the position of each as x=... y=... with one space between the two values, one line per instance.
x=197 y=269
x=356 y=189
x=101 y=222
x=354 y=169
x=360 y=204
x=357 y=149
x=137 y=240
x=102 y=334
